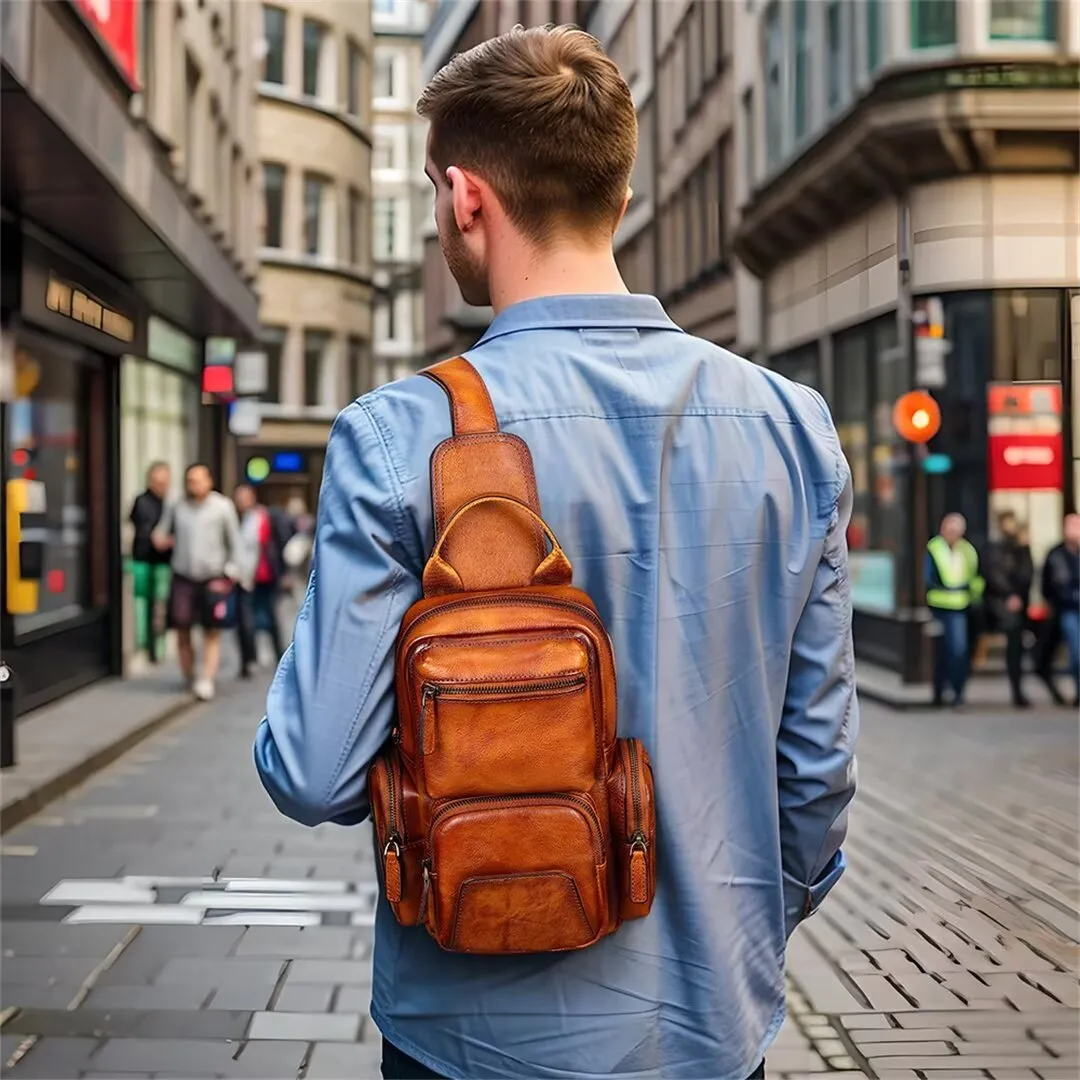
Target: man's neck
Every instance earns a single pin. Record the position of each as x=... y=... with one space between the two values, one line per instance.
x=561 y=270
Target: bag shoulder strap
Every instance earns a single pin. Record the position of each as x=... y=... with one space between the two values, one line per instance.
x=495 y=546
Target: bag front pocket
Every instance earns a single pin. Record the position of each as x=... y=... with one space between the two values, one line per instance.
x=633 y=827
x=517 y=874
x=526 y=721
x=399 y=857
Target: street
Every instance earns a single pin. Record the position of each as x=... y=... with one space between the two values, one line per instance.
x=164 y=920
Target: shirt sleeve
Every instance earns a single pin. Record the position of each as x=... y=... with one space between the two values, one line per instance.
x=331 y=705
x=818 y=728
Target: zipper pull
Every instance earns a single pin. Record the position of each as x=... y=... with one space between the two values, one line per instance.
x=639 y=869
x=392 y=869
x=427 y=730
x=421 y=918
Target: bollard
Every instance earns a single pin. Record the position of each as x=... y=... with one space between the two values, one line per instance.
x=7 y=716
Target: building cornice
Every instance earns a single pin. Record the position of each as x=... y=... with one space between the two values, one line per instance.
x=282 y=96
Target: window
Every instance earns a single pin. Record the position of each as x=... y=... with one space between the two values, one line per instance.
x=712 y=37
x=873 y=34
x=273 y=343
x=192 y=157
x=693 y=53
x=48 y=432
x=274 y=32
x=774 y=105
x=749 y=143
x=853 y=414
x=933 y=23
x=382 y=154
x=834 y=31
x=316 y=344
x=384 y=74
x=355 y=225
x=1023 y=20
x=1027 y=335
x=356 y=79
x=274 y=203
x=383 y=221
x=314 y=193
x=359 y=354
x=314 y=33
x=802 y=64
x=385 y=7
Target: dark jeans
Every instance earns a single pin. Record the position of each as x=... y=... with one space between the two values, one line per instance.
x=1012 y=626
x=399 y=1066
x=257 y=610
x=951 y=654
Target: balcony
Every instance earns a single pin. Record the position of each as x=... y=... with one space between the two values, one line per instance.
x=911 y=127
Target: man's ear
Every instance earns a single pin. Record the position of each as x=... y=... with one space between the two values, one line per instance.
x=466 y=197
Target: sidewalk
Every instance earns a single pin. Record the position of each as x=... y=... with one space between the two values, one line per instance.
x=984 y=691
x=60 y=745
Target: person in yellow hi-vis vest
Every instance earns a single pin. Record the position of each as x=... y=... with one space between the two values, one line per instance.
x=953 y=584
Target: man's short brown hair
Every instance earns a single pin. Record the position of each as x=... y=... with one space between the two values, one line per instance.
x=546 y=118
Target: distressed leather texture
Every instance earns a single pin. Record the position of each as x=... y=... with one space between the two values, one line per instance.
x=510 y=817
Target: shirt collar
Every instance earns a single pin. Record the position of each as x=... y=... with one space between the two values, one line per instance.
x=581 y=312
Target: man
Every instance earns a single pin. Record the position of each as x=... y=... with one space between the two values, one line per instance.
x=703 y=501
x=952 y=585
x=1009 y=573
x=1061 y=588
x=264 y=534
x=150 y=567
x=207 y=557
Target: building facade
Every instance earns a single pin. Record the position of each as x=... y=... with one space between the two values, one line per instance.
x=450 y=325
x=909 y=202
x=401 y=193
x=315 y=278
x=128 y=169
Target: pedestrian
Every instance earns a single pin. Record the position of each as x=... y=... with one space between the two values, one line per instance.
x=1009 y=572
x=1061 y=588
x=149 y=566
x=953 y=584
x=264 y=536
x=704 y=502
x=203 y=534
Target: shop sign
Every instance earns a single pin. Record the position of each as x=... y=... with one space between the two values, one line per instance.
x=115 y=24
x=245 y=418
x=167 y=345
x=72 y=298
x=75 y=303
x=251 y=372
x=1025 y=462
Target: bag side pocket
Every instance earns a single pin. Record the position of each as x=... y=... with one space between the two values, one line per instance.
x=633 y=827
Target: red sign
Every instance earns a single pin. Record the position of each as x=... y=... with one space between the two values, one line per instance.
x=117 y=25
x=1025 y=462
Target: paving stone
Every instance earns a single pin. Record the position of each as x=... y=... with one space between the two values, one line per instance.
x=49 y=1059
x=23 y=938
x=829 y=1048
x=306 y=1027
x=351 y=999
x=296 y=997
x=130 y=1023
x=50 y=970
x=291 y=943
x=900 y=1050
x=974 y=1063
x=218 y=972
x=1013 y=1074
x=870 y=1020
x=180 y=996
x=1005 y=1047
x=338 y=972
x=191 y=1058
x=786 y=1061
x=881 y=994
x=36 y=995
x=871 y=1037
x=816 y=979
x=235 y=996
x=333 y=1061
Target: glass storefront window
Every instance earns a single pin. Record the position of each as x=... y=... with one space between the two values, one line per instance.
x=933 y=23
x=1023 y=20
x=800 y=365
x=46 y=444
x=1027 y=335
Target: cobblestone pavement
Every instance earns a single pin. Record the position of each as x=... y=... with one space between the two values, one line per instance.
x=163 y=920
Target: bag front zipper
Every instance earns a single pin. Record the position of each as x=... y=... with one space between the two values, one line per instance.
x=578 y=801
x=431 y=691
x=392 y=850
x=639 y=845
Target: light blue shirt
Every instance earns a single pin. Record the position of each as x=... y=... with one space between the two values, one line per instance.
x=704 y=502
